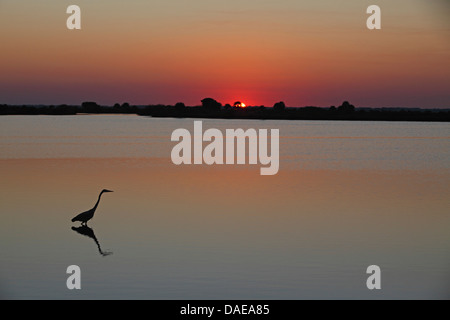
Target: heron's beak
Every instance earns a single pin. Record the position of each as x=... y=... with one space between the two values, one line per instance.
x=109 y=191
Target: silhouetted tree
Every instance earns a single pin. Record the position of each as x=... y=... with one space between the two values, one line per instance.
x=211 y=104
x=346 y=107
x=237 y=104
x=90 y=107
x=180 y=106
x=332 y=108
x=279 y=106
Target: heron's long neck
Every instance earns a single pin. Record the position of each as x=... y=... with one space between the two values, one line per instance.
x=98 y=201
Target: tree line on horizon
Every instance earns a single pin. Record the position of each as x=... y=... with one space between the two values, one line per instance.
x=211 y=108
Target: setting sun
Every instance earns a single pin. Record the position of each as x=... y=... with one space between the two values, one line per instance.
x=239 y=104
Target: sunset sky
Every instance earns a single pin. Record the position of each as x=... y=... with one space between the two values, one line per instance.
x=304 y=52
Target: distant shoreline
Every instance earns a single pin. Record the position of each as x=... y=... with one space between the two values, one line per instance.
x=342 y=113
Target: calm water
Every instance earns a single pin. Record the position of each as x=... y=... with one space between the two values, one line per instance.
x=348 y=195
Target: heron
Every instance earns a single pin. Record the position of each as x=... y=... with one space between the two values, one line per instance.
x=84 y=217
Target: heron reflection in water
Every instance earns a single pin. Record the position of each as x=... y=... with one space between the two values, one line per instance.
x=88 y=232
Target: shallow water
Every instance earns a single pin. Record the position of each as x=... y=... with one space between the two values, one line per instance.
x=348 y=195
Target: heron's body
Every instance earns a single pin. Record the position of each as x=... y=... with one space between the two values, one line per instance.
x=84 y=217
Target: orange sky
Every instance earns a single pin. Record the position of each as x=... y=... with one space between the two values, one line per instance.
x=259 y=52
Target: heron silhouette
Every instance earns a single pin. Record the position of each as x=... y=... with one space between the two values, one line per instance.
x=84 y=217
x=89 y=232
